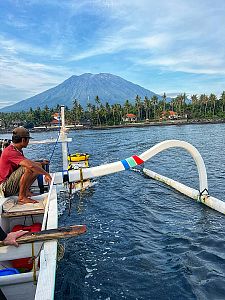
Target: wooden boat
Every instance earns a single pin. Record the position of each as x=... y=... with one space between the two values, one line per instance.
x=35 y=260
x=39 y=282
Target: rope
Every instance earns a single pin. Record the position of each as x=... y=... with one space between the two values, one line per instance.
x=201 y=194
x=56 y=139
x=34 y=265
x=56 y=142
x=60 y=251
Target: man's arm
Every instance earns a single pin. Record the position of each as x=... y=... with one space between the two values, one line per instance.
x=3 y=235
x=35 y=167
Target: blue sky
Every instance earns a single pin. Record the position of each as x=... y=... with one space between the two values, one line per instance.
x=171 y=46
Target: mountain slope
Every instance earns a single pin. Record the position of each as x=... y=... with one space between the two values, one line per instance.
x=110 y=88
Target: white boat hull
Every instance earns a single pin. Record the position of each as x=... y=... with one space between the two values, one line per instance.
x=22 y=286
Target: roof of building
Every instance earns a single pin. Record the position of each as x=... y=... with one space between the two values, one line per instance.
x=171 y=113
x=55 y=121
x=130 y=115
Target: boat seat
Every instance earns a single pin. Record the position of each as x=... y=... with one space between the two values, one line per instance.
x=12 y=209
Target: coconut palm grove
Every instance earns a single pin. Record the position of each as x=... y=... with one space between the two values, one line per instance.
x=197 y=107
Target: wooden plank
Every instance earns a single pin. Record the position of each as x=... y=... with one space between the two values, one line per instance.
x=24 y=250
x=22 y=213
x=46 y=280
x=50 y=141
x=52 y=199
x=51 y=234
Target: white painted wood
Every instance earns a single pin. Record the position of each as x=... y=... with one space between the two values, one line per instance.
x=24 y=250
x=46 y=280
x=63 y=137
x=74 y=175
x=15 y=284
x=17 y=278
x=208 y=200
x=51 y=197
x=50 y=141
x=23 y=287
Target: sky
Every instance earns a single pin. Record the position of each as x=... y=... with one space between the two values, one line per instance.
x=173 y=46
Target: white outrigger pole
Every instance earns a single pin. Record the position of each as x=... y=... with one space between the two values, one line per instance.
x=200 y=195
x=63 y=137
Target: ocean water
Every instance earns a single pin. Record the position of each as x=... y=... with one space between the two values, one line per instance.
x=144 y=240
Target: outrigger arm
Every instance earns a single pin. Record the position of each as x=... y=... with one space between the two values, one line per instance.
x=200 y=195
x=135 y=160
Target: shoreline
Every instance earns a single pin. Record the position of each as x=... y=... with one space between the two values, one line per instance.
x=161 y=123
x=140 y=125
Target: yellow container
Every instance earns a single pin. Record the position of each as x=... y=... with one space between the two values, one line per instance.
x=78 y=157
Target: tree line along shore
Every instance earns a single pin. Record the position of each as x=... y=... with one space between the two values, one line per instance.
x=142 y=112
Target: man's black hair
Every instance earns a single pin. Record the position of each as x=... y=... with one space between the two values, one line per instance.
x=17 y=139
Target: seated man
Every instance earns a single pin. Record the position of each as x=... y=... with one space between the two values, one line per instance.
x=17 y=173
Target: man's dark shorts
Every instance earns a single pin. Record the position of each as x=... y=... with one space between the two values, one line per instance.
x=11 y=186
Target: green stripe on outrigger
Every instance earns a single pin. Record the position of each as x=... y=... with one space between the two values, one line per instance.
x=131 y=162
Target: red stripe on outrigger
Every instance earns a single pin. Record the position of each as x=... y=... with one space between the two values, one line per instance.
x=137 y=159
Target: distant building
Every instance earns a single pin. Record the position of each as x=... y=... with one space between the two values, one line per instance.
x=55 y=123
x=129 y=118
x=56 y=120
x=171 y=115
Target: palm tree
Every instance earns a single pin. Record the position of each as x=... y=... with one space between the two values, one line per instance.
x=127 y=106
x=213 y=99
x=146 y=106
x=75 y=110
x=138 y=106
x=164 y=101
x=113 y=112
x=194 y=102
x=222 y=98
x=154 y=100
x=98 y=103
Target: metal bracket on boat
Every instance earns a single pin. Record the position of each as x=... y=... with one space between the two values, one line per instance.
x=65 y=176
x=81 y=178
x=203 y=195
x=70 y=198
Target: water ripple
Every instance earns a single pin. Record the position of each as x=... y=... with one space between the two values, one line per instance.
x=145 y=241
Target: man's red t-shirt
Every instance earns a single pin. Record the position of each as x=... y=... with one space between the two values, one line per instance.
x=9 y=162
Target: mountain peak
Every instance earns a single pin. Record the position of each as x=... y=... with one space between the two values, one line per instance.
x=108 y=87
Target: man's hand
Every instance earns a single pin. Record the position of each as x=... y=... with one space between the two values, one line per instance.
x=48 y=178
x=45 y=162
x=12 y=236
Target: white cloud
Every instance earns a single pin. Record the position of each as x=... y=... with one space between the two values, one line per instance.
x=196 y=62
x=176 y=36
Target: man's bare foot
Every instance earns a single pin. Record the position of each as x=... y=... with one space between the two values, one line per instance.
x=26 y=200
x=30 y=194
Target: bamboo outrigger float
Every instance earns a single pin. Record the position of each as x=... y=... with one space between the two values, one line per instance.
x=39 y=282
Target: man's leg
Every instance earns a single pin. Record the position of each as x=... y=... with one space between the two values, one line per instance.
x=13 y=185
x=26 y=180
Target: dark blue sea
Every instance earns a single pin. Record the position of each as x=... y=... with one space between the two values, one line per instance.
x=144 y=240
